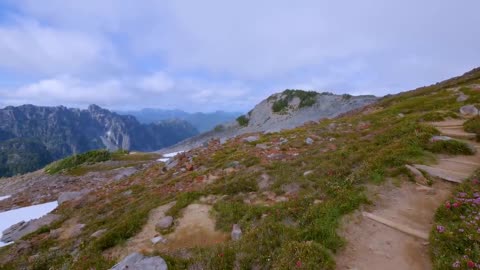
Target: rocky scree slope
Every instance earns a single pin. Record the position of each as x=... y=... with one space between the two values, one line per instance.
x=286 y=110
x=278 y=199
x=38 y=135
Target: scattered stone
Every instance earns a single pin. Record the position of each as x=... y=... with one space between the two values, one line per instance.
x=283 y=140
x=164 y=223
x=251 y=139
x=401 y=115
x=72 y=195
x=462 y=97
x=308 y=140
x=317 y=201
x=307 y=173
x=98 y=233
x=469 y=110
x=137 y=261
x=127 y=193
x=262 y=146
x=236 y=232
x=417 y=174
x=124 y=173
x=76 y=230
x=189 y=167
x=440 y=138
x=171 y=163
x=265 y=182
x=55 y=233
x=291 y=189
x=331 y=139
x=17 y=231
x=158 y=239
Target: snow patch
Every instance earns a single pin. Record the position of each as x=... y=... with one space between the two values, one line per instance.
x=5 y=197
x=170 y=155
x=167 y=157
x=28 y=213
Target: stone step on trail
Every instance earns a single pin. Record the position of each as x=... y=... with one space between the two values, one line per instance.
x=457 y=133
x=448 y=123
x=448 y=175
x=457 y=166
x=398 y=226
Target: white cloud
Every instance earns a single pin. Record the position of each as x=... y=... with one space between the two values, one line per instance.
x=157 y=82
x=28 y=47
x=229 y=55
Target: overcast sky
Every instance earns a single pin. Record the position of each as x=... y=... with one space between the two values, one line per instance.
x=226 y=55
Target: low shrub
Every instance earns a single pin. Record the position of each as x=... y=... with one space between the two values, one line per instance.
x=77 y=160
x=452 y=147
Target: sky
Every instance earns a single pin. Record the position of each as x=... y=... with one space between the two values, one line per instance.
x=226 y=55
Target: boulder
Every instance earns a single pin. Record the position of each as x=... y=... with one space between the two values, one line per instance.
x=469 y=110
x=17 y=231
x=308 y=140
x=164 y=223
x=137 y=261
x=236 y=232
x=72 y=195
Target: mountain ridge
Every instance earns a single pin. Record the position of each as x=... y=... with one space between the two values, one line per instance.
x=66 y=131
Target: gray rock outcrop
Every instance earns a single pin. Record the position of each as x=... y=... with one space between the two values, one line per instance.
x=263 y=119
x=17 y=231
x=137 y=261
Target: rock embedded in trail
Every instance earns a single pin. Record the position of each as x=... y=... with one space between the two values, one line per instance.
x=137 y=261
x=164 y=223
x=417 y=174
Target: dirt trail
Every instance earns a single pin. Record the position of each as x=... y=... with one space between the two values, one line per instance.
x=409 y=208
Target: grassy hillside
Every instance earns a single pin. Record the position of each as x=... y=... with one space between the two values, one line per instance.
x=288 y=191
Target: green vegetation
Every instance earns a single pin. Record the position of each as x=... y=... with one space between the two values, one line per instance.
x=452 y=147
x=219 y=128
x=72 y=162
x=473 y=125
x=307 y=99
x=455 y=237
x=293 y=220
x=438 y=116
x=243 y=120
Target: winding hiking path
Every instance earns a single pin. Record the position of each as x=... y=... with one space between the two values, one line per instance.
x=393 y=234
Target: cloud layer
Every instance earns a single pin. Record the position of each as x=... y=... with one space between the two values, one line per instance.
x=213 y=54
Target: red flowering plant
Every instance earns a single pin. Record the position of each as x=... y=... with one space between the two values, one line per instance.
x=455 y=237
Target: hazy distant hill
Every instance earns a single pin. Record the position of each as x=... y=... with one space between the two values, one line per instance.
x=32 y=136
x=202 y=121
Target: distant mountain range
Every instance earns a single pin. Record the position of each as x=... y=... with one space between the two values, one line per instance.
x=33 y=136
x=202 y=121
